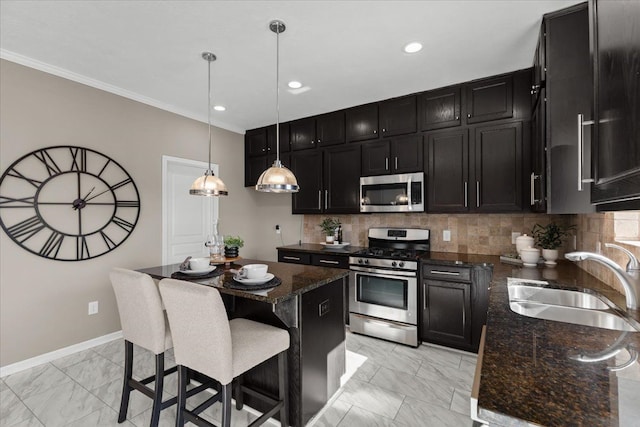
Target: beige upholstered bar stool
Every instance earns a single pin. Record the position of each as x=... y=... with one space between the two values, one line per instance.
x=144 y=324
x=207 y=342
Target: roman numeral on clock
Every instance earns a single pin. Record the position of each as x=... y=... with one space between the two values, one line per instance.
x=27 y=228
x=49 y=163
x=52 y=245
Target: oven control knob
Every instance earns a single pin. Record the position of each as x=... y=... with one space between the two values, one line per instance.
x=401 y=264
x=393 y=263
x=366 y=261
x=360 y=261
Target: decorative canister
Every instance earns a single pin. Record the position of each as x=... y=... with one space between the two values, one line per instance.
x=523 y=242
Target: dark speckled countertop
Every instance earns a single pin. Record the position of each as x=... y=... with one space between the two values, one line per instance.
x=296 y=279
x=527 y=375
x=317 y=248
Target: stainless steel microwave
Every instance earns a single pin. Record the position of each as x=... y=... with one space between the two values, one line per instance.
x=392 y=193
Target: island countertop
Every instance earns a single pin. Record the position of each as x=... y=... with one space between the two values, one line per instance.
x=296 y=279
x=527 y=374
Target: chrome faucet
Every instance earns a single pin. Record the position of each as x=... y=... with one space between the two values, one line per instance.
x=630 y=278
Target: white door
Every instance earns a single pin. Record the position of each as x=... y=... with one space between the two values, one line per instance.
x=186 y=220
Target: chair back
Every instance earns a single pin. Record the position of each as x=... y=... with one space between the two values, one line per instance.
x=200 y=328
x=140 y=308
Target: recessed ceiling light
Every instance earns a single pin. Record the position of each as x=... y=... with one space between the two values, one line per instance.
x=413 y=47
x=295 y=85
x=219 y=108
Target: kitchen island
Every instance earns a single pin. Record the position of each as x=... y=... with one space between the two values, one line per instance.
x=528 y=371
x=309 y=303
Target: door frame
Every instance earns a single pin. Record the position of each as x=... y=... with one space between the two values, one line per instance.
x=166 y=161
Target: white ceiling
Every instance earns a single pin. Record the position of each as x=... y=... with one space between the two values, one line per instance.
x=344 y=52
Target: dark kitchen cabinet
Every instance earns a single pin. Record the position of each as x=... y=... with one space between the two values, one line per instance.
x=446 y=316
x=440 y=108
x=616 y=142
x=255 y=142
x=303 y=134
x=253 y=168
x=490 y=99
x=330 y=128
x=398 y=155
x=497 y=185
x=537 y=179
x=539 y=66
x=284 y=138
x=362 y=122
x=329 y=180
x=448 y=171
x=398 y=116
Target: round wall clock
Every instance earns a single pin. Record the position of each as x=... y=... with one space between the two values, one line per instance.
x=68 y=203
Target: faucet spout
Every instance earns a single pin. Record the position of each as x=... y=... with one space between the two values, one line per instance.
x=630 y=281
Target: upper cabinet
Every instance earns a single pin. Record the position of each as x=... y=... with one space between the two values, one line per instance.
x=616 y=136
x=490 y=99
x=303 y=134
x=255 y=142
x=362 y=122
x=330 y=128
x=440 y=108
x=284 y=138
x=398 y=116
x=398 y=155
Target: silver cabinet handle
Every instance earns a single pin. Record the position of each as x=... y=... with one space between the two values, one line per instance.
x=533 y=189
x=375 y=131
x=424 y=296
x=383 y=130
x=445 y=273
x=457 y=117
x=325 y=261
x=477 y=194
x=386 y=163
x=468 y=116
x=319 y=141
x=293 y=258
x=581 y=124
x=319 y=199
x=396 y=162
x=326 y=197
x=466 y=194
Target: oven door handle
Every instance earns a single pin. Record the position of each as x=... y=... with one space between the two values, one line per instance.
x=386 y=323
x=384 y=273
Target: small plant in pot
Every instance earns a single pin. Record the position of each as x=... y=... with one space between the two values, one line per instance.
x=328 y=226
x=550 y=237
x=232 y=244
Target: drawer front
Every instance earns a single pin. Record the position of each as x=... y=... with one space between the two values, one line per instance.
x=294 y=257
x=446 y=272
x=335 y=261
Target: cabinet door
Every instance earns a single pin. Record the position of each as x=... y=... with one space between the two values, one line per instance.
x=375 y=158
x=307 y=167
x=538 y=177
x=342 y=179
x=398 y=116
x=490 y=99
x=330 y=128
x=498 y=168
x=440 y=108
x=362 y=122
x=255 y=142
x=253 y=168
x=448 y=171
x=406 y=154
x=616 y=158
x=303 y=134
x=447 y=313
x=539 y=66
x=284 y=138
x=293 y=257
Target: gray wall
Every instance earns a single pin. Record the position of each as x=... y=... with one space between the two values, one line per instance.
x=43 y=303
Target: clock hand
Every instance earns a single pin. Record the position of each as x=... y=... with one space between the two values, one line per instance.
x=99 y=194
x=81 y=203
x=90 y=191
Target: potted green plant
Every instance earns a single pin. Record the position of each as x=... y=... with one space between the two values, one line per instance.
x=328 y=226
x=550 y=237
x=231 y=246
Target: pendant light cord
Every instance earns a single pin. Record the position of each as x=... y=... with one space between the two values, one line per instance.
x=278 y=92
x=209 y=114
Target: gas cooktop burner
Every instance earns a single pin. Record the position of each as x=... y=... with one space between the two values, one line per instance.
x=391 y=253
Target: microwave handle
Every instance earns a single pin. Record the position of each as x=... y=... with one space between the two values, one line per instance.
x=409 y=202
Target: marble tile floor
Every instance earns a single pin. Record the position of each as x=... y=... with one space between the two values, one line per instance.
x=386 y=385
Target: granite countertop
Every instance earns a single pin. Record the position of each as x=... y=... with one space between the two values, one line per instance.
x=296 y=279
x=527 y=374
x=317 y=248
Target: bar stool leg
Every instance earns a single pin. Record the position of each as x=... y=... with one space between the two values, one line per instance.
x=226 y=405
x=126 y=388
x=239 y=393
x=183 y=380
x=157 y=398
x=283 y=387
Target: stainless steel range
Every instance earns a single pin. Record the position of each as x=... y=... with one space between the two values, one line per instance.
x=383 y=285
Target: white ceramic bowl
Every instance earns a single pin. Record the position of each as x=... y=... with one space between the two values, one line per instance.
x=199 y=263
x=523 y=242
x=255 y=271
x=530 y=256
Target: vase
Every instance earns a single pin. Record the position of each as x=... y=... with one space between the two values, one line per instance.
x=329 y=239
x=231 y=252
x=550 y=256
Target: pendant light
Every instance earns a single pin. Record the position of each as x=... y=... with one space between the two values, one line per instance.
x=209 y=184
x=277 y=179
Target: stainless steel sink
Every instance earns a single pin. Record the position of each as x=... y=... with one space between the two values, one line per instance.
x=555 y=296
x=567 y=306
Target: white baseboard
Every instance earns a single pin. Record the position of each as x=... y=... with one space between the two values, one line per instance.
x=56 y=354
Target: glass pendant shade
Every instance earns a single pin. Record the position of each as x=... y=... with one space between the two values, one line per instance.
x=208 y=185
x=277 y=179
